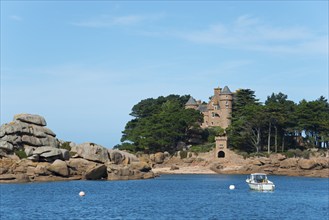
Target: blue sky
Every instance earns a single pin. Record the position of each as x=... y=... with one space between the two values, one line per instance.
x=84 y=64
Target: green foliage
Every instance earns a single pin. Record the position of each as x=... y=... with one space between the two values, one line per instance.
x=127 y=147
x=183 y=154
x=21 y=154
x=313 y=119
x=248 y=155
x=275 y=126
x=159 y=124
x=297 y=153
x=71 y=153
x=259 y=154
x=306 y=154
x=213 y=132
x=247 y=121
x=244 y=154
x=279 y=124
x=66 y=146
x=202 y=148
x=289 y=154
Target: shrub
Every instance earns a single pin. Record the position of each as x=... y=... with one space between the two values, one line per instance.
x=183 y=154
x=289 y=154
x=297 y=153
x=213 y=132
x=202 y=148
x=244 y=154
x=127 y=147
x=306 y=154
x=66 y=146
x=72 y=153
x=21 y=154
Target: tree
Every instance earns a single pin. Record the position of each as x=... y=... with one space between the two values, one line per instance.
x=159 y=124
x=313 y=117
x=245 y=131
x=254 y=124
x=279 y=112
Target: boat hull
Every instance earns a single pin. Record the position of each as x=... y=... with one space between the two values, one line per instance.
x=261 y=186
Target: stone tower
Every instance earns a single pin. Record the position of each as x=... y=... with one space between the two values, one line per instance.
x=225 y=103
x=221 y=146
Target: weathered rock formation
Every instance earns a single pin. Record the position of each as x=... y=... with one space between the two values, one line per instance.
x=93 y=152
x=27 y=133
x=46 y=161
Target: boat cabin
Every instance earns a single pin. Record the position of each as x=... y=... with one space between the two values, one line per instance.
x=259 y=177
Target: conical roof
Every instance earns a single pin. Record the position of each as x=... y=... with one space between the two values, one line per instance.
x=226 y=90
x=191 y=101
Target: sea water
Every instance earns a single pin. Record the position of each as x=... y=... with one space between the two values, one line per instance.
x=167 y=197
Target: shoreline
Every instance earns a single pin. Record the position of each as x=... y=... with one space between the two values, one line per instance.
x=201 y=170
x=183 y=170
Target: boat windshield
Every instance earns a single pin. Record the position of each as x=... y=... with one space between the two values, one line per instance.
x=259 y=178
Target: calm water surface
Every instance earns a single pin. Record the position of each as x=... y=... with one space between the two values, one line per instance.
x=167 y=197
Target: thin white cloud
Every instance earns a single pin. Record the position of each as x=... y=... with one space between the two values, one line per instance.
x=15 y=17
x=250 y=33
x=105 y=21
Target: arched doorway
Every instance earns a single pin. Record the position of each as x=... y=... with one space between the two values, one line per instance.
x=221 y=154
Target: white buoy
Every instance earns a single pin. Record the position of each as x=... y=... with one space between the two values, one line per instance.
x=232 y=187
x=82 y=193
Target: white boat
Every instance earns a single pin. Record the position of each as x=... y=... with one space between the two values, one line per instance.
x=259 y=182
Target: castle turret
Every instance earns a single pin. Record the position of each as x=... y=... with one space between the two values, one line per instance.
x=191 y=103
x=226 y=99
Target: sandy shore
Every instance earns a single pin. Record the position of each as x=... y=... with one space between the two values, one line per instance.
x=184 y=170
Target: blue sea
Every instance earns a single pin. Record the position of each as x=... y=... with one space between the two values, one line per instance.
x=167 y=197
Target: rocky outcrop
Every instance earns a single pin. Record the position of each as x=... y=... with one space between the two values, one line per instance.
x=121 y=157
x=49 y=154
x=12 y=178
x=31 y=119
x=26 y=131
x=75 y=168
x=96 y=172
x=159 y=158
x=137 y=170
x=46 y=161
x=276 y=164
x=59 y=167
x=93 y=152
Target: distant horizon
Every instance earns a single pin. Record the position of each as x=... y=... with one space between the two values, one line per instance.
x=83 y=65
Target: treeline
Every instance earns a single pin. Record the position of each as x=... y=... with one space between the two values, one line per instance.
x=279 y=124
x=160 y=125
